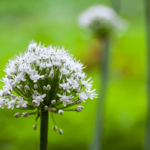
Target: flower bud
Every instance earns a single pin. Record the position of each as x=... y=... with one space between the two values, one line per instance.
x=58 y=65
x=35 y=86
x=26 y=114
x=49 y=66
x=34 y=127
x=71 y=103
x=47 y=70
x=24 y=106
x=78 y=102
x=34 y=61
x=13 y=85
x=55 y=128
x=78 y=89
x=53 y=102
x=48 y=87
x=60 y=131
x=51 y=109
x=26 y=91
x=46 y=107
x=44 y=88
x=13 y=96
x=61 y=112
x=78 y=109
x=14 y=72
x=21 y=86
x=9 y=76
x=81 y=107
x=17 y=115
x=4 y=93
x=63 y=60
x=35 y=103
x=60 y=87
x=36 y=93
x=51 y=75
x=26 y=87
x=43 y=77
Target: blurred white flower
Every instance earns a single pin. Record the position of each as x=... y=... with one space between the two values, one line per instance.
x=101 y=19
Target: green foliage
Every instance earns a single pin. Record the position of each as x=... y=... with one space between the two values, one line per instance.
x=55 y=22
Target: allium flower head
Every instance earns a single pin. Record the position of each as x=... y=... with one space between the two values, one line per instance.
x=44 y=79
x=101 y=20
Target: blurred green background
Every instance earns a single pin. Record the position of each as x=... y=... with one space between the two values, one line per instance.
x=55 y=21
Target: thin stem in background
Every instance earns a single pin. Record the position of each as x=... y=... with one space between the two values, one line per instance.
x=44 y=131
x=147 y=14
x=116 y=4
x=98 y=130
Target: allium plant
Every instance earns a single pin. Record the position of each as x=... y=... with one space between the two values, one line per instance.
x=147 y=133
x=45 y=79
x=101 y=20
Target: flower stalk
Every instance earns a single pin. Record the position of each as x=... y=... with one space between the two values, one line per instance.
x=116 y=4
x=44 y=131
x=98 y=133
x=147 y=14
x=102 y=21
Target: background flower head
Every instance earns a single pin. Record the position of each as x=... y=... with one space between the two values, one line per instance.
x=102 y=20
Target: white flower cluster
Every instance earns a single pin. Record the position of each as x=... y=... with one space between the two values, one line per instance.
x=101 y=19
x=45 y=79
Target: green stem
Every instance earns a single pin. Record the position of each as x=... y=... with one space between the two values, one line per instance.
x=44 y=130
x=147 y=13
x=116 y=4
x=97 y=135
